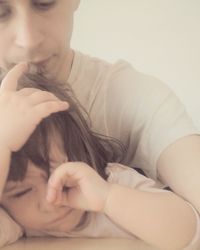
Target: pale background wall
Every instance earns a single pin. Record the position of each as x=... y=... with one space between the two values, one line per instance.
x=158 y=37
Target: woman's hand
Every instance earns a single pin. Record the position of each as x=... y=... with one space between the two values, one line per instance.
x=21 y=111
x=77 y=185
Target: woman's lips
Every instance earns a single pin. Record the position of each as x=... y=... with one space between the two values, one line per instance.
x=40 y=63
x=39 y=66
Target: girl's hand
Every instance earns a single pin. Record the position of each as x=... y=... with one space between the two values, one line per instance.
x=21 y=111
x=77 y=185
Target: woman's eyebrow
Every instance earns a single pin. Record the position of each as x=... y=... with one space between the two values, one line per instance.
x=3 y=1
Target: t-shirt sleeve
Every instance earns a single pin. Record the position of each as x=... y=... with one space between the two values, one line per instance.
x=138 y=109
x=145 y=114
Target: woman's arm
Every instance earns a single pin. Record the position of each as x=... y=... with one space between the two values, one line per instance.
x=162 y=218
x=179 y=168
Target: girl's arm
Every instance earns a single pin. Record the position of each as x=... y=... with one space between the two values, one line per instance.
x=162 y=219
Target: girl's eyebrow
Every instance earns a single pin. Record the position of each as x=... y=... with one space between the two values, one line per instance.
x=20 y=192
x=13 y=187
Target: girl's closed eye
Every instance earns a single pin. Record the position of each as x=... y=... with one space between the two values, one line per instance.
x=21 y=193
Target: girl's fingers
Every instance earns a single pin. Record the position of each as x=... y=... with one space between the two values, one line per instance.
x=57 y=181
x=10 y=80
x=51 y=194
x=58 y=199
x=54 y=192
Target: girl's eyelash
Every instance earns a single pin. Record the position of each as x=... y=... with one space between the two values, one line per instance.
x=19 y=194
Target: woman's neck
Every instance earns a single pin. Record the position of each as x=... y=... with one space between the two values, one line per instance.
x=66 y=67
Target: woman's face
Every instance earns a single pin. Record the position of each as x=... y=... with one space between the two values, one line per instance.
x=26 y=200
x=36 y=31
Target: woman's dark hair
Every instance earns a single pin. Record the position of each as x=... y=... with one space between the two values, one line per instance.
x=74 y=128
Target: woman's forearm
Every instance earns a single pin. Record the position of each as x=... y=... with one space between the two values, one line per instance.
x=5 y=156
x=162 y=218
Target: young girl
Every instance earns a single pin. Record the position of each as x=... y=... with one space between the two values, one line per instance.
x=65 y=180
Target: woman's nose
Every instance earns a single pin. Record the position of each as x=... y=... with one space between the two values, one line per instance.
x=28 y=35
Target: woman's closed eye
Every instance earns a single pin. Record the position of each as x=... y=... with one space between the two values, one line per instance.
x=21 y=193
x=5 y=11
x=44 y=4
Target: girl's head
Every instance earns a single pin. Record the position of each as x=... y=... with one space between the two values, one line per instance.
x=63 y=136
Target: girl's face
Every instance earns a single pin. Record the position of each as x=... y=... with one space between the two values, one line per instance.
x=36 y=31
x=26 y=200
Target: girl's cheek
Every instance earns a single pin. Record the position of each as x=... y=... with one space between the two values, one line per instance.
x=20 y=206
x=23 y=212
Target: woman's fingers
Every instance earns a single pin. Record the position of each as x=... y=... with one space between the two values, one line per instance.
x=44 y=109
x=27 y=91
x=34 y=93
x=42 y=96
x=10 y=80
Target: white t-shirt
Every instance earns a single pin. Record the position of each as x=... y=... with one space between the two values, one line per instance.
x=138 y=109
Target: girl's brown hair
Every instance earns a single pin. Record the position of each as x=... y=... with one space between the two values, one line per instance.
x=73 y=126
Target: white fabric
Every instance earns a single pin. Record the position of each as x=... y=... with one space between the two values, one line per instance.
x=138 y=109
